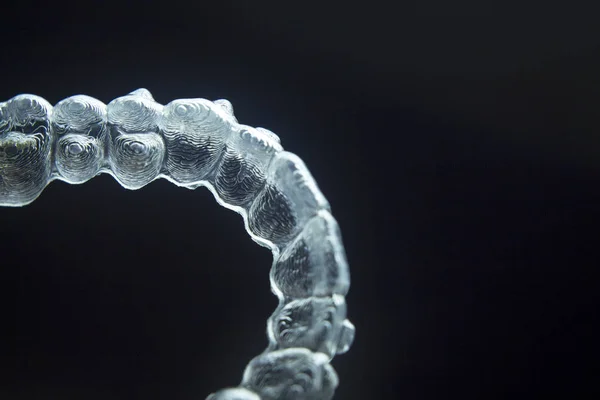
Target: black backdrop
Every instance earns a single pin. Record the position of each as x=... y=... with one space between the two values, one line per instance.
x=457 y=143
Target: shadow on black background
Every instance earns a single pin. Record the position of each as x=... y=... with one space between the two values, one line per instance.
x=458 y=145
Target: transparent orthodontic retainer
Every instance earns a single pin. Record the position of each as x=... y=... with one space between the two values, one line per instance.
x=193 y=143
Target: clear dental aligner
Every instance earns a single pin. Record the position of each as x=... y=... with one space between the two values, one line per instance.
x=193 y=143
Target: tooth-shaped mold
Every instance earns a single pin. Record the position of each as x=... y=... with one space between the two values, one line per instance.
x=314 y=263
x=25 y=149
x=245 y=168
x=195 y=132
x=136 y=150
x=290 y=197
x=227 y=107
x=241 y=171
x=315 y=323
x=80 y=124
x=233 y=394
x=291 y=374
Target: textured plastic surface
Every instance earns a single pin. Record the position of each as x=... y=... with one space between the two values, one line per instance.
x=193 y=143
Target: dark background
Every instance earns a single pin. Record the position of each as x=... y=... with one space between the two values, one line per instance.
x=457 y=142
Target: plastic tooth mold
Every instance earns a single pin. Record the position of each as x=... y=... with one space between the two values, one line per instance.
x=193 y=143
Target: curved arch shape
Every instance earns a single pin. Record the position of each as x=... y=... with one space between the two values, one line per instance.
x=193 y=143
